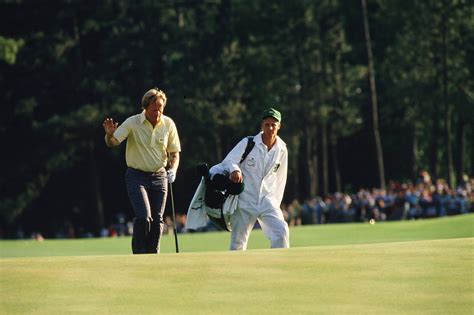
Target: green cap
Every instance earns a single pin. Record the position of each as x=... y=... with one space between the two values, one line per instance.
x=271 y=112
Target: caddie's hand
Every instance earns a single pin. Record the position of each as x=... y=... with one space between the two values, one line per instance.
x=236 y=177
x=109 y=126
x=171 y=175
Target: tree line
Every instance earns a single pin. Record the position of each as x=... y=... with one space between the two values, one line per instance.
x=369 y=91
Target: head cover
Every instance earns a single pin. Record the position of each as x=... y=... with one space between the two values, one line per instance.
x=235 y=188
x=271 y=112
x=218 y=189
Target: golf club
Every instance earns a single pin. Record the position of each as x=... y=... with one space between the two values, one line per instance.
x=174 y=219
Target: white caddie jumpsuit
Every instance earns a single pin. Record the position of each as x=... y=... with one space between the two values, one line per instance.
x=264 y=173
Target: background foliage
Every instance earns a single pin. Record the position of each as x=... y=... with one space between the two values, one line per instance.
x=65 y=65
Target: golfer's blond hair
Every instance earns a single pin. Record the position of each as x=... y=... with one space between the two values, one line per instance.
x=152 y=95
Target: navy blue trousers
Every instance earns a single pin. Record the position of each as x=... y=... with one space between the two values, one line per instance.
x=147 y=193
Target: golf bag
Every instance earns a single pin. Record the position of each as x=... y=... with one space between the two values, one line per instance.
x=218 y=187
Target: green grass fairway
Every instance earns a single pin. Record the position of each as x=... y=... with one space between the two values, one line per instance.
x=302 y=236
x=423 y=267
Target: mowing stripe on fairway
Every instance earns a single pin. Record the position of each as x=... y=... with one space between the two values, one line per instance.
x=420 y=277
x=310 y=235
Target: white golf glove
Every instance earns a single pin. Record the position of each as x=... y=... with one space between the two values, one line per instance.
x=171 y=175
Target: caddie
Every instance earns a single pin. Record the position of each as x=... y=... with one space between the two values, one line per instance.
x=259 y=165
x=264 y=173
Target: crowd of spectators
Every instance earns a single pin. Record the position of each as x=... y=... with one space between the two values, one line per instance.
x=423 y=199
x=401 y=201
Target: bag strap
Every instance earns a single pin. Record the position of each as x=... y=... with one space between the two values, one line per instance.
x=248 y=148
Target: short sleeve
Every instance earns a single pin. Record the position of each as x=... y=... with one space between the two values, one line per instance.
x=123 y=130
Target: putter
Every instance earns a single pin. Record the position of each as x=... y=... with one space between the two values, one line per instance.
x=174 y=219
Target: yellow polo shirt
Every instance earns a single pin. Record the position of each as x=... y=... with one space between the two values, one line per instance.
x=147 y=147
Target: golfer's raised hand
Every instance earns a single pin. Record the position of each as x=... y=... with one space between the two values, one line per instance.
x=110 y=126
x=236 y=177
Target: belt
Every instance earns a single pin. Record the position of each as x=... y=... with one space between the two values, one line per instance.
x=160 y=171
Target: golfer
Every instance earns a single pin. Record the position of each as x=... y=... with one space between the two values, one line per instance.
x=151 y=137
x=264 y=174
